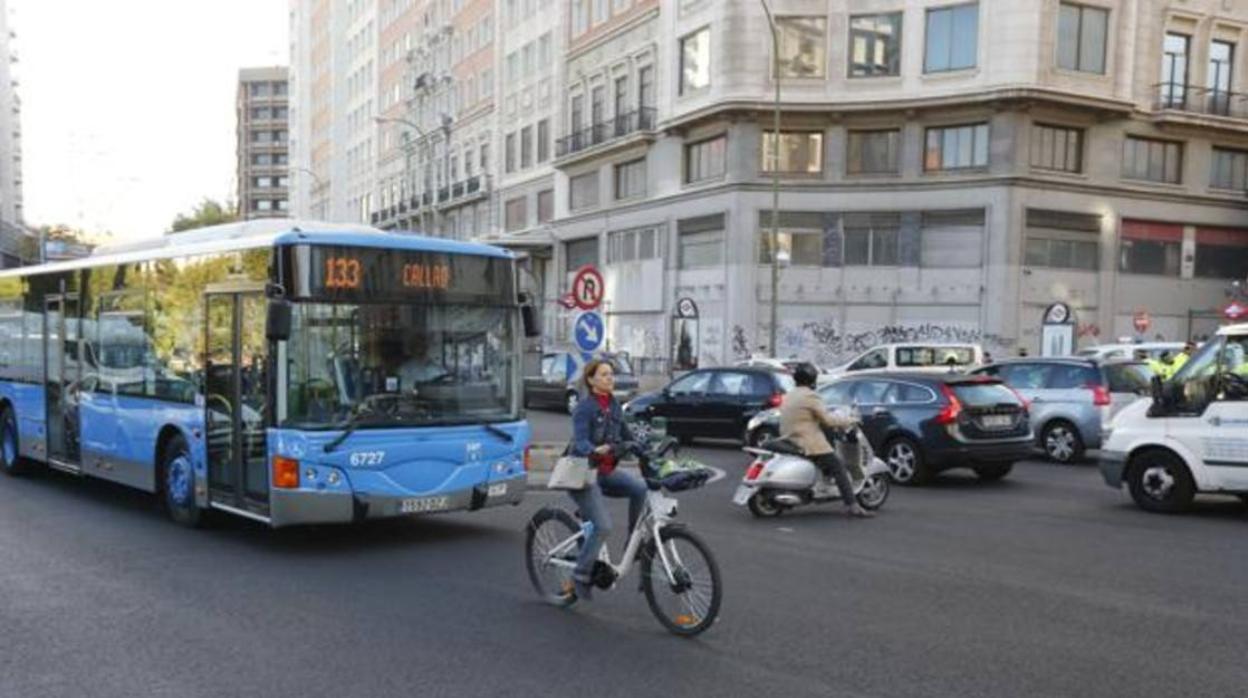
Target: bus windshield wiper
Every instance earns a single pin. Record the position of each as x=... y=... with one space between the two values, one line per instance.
x=499 y=432
x=348 y=427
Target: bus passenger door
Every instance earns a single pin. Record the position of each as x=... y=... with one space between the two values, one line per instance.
x=62 y=371
x=235 y=386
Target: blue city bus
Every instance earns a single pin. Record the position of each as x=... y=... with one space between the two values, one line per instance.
x=286 y=372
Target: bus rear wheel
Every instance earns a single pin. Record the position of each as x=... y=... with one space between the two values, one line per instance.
x=11 y=460
x=177 y=484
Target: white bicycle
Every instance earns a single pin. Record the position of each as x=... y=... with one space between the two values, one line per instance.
x=679 y=574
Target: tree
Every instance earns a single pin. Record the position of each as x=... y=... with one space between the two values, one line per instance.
x=208 y=212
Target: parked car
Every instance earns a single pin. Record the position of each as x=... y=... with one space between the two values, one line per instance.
x=712 y=402
x=558 y=383
x=932 y=357
x=1072 y=398
x=1127 y=350
x=925 y=423
x=769 y=362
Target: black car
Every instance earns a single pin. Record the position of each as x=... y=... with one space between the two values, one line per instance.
x=558 y=381
x=923 y=423
x=714 y=402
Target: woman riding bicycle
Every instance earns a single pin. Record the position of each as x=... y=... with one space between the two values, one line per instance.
x=600 y=434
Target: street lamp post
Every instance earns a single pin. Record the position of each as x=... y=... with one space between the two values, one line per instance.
x=319 y=183
x=775 y=180
x=407 y=163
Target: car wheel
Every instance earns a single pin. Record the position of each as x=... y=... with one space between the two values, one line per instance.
x=905 y=462
x=1159 y=482
x=993 y=471
x=1061 y=442
x=573 y=399
x=759 y=435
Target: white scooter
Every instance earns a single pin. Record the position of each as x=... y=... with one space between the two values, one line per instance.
x=781 y=478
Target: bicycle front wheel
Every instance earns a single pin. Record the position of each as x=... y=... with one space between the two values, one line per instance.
x=687 y=601
x=551 y=529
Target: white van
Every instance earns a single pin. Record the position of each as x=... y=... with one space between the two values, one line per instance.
x=1192 y=436
x=923 y=357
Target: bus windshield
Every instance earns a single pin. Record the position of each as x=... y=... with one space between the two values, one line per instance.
x=399 y=364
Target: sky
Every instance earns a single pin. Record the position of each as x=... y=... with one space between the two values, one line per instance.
x=128 y=105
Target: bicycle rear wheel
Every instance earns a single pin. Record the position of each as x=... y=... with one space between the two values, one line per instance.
x=688 y=603
x=548 y=528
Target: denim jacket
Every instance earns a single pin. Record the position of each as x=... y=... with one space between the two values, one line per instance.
x=593 y=427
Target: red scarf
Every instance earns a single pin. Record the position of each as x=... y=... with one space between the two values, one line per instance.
x=606 y=461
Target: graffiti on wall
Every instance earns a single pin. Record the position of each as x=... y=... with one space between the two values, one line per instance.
x=824 y=343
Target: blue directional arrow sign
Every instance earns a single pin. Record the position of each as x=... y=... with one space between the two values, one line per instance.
x=590 y=331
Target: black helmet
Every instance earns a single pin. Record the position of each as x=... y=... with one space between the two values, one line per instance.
x=805 y=374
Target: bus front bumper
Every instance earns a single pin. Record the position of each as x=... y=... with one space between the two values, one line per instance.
x=320 y=506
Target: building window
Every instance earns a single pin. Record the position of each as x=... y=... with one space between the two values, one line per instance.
x=700 y=242
x=803 y=47
x=1150 y=248
x=800 y=153
x=956 y=147
x=583 y=191
x=485 y=157
x=799 y=248
x=1081 y=33
x=952 y=239
x=543 y=140
x=952 y=38
x=581 y=252
x=706 y=160
x=514 y=213
x=1229 y=169
x=1062 y=240
x=875 y=45
x=645 y=87
x=633 y=245
x=526 y=147
x=630 y=179
x=871 y=239
x=1174 y=70
x=1221 y=253
x=1220 y=73
x=545 y=206
x=873 y=152
x=1152 y=160
x=509 y=153
x=1057 y=148
x=695 y=61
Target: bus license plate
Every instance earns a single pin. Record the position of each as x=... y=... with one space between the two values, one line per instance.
x=997 y=421
x=423 y=505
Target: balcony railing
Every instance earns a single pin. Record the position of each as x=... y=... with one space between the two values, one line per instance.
x=461 y=189
x=1200 y=100
x=606 y=131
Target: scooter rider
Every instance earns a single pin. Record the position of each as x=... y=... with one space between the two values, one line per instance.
x=803 y=418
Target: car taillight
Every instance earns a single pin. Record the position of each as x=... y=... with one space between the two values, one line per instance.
x=1021 y=400
x=949 y=414
x=528 y=458
x=1100 y=394
x=285 y=473
x=775 y=400
x=755 y=469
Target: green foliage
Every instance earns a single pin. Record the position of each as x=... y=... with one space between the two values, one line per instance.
x=208 y=212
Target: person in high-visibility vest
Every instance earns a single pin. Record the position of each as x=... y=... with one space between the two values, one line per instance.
x=1182 y=358
x=1157 y=368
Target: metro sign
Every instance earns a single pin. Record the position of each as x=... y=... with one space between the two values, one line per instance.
x=1235 y=310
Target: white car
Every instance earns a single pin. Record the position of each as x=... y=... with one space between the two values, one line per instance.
x=923 y=357
x=1127 y=350
x=1192 y=436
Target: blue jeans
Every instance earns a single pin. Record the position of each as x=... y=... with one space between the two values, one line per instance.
x=594 y=510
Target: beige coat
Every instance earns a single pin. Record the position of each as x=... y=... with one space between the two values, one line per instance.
x=803 y=417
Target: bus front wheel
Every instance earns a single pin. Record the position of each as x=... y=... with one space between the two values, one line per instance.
x=177 y=483
x=11 y=460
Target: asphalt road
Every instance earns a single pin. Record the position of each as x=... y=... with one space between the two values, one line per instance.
x=1046 y=584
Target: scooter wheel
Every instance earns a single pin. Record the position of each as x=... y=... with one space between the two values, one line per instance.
x=762 y=506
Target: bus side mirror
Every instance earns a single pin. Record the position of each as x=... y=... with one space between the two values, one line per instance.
x=277 y=323
x=528 y=315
